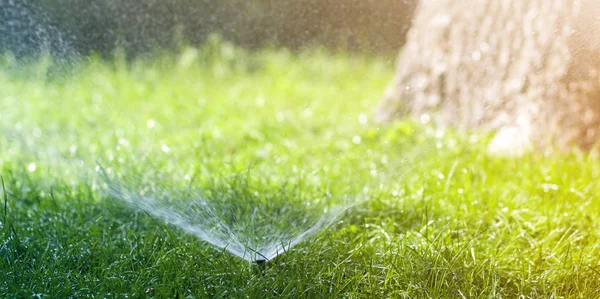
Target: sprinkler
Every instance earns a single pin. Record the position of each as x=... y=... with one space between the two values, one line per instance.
x=262 y=263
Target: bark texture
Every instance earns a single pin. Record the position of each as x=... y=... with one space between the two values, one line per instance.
x=527 y=69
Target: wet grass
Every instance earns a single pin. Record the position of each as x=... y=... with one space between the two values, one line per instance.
x=439 y=218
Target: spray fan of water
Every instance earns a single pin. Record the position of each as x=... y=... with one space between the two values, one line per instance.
x=232 y=215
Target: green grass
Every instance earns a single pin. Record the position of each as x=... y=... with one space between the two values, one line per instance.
x=437 y=217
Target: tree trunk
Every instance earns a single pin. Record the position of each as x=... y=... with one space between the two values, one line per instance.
x=527 y=69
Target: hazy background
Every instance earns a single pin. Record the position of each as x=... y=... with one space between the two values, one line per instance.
x=140 y=26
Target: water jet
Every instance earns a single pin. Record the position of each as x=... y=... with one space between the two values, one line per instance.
x=256 y=227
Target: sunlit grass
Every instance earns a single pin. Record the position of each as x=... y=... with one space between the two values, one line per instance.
x=440 y=218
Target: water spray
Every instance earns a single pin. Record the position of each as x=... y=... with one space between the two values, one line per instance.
x=256 y=237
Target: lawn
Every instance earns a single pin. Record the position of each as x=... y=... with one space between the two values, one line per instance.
x=100 y=152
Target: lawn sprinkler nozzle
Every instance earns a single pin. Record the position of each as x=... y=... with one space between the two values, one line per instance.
x=262 y=263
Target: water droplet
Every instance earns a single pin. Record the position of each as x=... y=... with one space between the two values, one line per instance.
x=280 y=116
x=151 y=123
x=384 y=159
x=37 y=132
x=439 y=133
x=548 y=187
x=165 y=148
x=260 y=101
x=425 y=118
x=441 y=20
x=362 y=119
x=484 y=47
x=306 y=113
x=356 y=139
x=31 y=167
x=460 y=191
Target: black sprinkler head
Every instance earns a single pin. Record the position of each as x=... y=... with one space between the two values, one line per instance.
x=262 y=263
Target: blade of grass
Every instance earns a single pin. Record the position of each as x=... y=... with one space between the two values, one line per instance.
x=5 y=199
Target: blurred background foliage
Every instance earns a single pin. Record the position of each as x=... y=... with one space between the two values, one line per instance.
x=142 y=26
